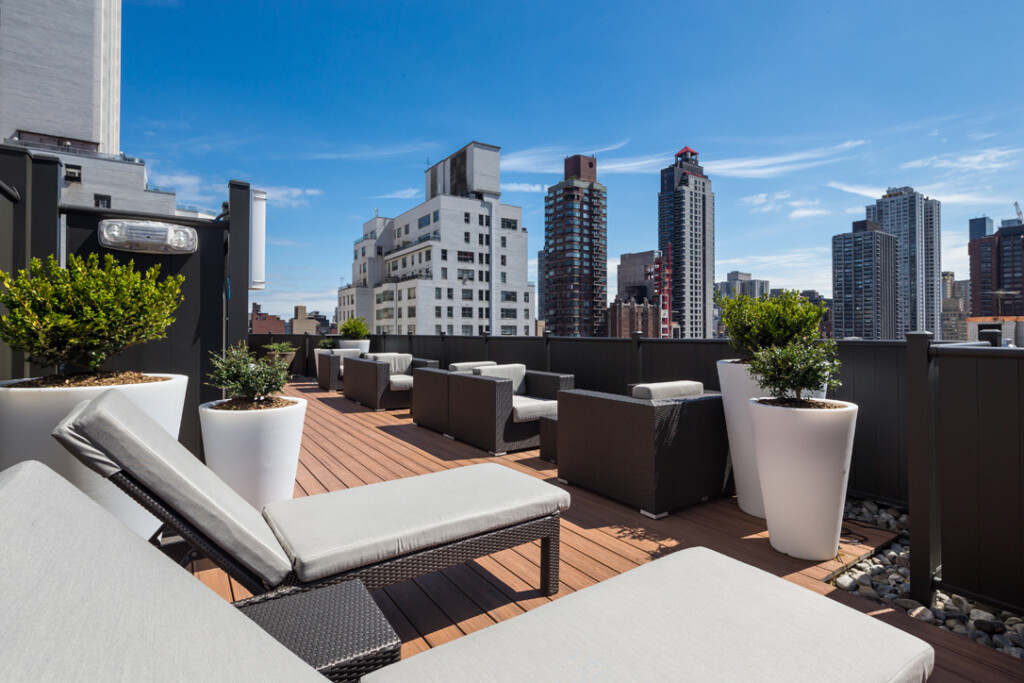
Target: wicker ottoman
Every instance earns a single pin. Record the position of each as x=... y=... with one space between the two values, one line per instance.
x=549 y=439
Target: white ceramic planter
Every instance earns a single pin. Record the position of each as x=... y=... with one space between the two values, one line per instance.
x=27 y=416
x=255 y=452
x=738 y=387
x=803 y=456
x=362 y=344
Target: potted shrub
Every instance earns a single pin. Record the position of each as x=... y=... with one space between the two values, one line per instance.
x=754 y=324
x=282 y=351
x=354 y=333
x=74 y=319
x=803 y=447
x=251 y=439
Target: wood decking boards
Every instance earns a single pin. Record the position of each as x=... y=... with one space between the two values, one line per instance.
x=346 y=445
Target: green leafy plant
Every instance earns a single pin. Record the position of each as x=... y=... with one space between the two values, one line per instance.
x=325 y=343
x=241 y=375
x=802 y=365
x=85 y=313
x=280 y=347
x=754 y=324
x=354 y=328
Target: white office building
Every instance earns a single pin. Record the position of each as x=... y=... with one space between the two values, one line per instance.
x=457 y=263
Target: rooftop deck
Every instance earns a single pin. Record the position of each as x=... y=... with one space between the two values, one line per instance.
x=346 y=445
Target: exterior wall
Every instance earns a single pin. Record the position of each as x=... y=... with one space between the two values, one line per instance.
x=864 y=302
x=979 y=227
x=575 y=278
x=626 y=317
x=737 y=283
x=447 y=248
x=123 y=180
x=686 y=238
x=1012 y=328
x=60 y=70
x=997 y=273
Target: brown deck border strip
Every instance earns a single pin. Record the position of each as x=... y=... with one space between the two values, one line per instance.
x=347 y=445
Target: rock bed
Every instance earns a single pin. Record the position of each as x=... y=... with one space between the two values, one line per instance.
x=885 y=578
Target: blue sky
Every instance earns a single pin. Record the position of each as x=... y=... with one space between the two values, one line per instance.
x=801 y=113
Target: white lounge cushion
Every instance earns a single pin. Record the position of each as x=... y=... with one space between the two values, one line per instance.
x=676 y=389
x=342 y=530
x=400 y=362
x=401 y=382
x=89 y=600
x=528 y=408
x=345 y=353
x=513 y=371
x=469 y=365
x=664 y=622
x=111 y=433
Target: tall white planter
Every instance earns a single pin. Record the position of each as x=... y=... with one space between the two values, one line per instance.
x=255 y=452
x=27 y=416
x=803 y=457
x=738 y=387
x=362 y=344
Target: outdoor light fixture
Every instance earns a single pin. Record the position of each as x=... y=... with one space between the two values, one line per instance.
x=148 y=237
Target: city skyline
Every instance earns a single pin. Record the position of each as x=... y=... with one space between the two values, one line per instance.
x=337 y=110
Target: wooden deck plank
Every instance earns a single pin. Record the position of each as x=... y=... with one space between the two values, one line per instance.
x=347 y=445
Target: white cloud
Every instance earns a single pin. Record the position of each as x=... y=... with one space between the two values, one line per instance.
x=408 y=193
x=523 y=187
x=774 y=166
x=754 y=199
x=993 y=159
x=981 y=136
x=854 y=210
x=285 y=243
x=806 y=268
x=367 y=152
x=280 y=299
x=808 y=213
x=763 y=202
x=954 y=253
x=290 y=197
x=552 y=159
x=862 y=190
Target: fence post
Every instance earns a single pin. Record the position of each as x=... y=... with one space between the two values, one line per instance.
x=444 y=352
x=487 y=345
x=547 y=350
x=637 y=334
x=922 y=467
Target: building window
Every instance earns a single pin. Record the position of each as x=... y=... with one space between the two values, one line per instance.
x=412 y=292
x=444 y=273
x=509 y=296
x=451 y=293
x=503 y=277
x=437 y=292
x=410 y=312
x=526 y=297
x=465 y=257
x=450 y=311
x=509 y=223
x=507 y=313
x=467 y=295
x=73 y=174
x=403 y=261
x=503 y=262
x=101 y=201
x=467 y=311
x=437 y=215
x=503 y=242
x=526 y=314
x=465 y=236
x=423 y=222
x=406 y=228
x=437 y=329
x=467 y=330
x=526 y=330
x=508 y=330
x=465 y=217
x=466 y=274
x=437 y=311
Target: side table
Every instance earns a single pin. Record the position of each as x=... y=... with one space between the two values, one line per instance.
x=338 y=629
x=549 y=439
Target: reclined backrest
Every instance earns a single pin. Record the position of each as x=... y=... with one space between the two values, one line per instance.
x=470 y=365
x=675 y=389
x=513 y=371
x=399 y=362
x=110 y=433
x=91 y=600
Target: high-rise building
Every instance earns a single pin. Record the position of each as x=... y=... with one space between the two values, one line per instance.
x=628 y=316
x=954 y=307
x=916 y=222
x=457 y=263
x=541 y=272
x=997 y=283
x=980 y=227
x=864 y=283
x=60 y=92
x=644 y=276
x=686 y=238
x=575 y=278
x=737 y=283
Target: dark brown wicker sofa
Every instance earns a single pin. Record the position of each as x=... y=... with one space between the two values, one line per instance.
x=430 y=400
x=330 y=367
x=498 y=408
x=654 y=454
x=382 y=381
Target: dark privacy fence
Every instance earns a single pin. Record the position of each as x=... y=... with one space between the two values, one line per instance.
x=31 y=226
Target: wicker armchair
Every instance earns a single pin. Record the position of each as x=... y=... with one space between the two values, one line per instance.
x=654 y=455
x=430 y=400
x=330 y=368
x=382 y=381
x=482 y=411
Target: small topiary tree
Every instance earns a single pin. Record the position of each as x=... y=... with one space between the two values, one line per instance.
x=754 y=324
x=242 y=376
x=802 y=365
x=280 y=347
x=354 y=328
x=85 y=313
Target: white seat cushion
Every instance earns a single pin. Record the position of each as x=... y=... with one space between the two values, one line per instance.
x=668 y=389
x=469 y=365
x=513 y=371
x=528 y=408
x=401 y=382
x=342 y=530
x=667 y=621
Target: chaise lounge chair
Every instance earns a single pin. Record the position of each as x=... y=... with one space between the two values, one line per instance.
x=90 y=600
x=379 y=533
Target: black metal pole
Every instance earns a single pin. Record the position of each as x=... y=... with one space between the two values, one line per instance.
x=922 y=467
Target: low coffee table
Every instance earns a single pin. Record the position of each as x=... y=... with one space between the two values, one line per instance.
x=549 y=439
x=338 y=630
